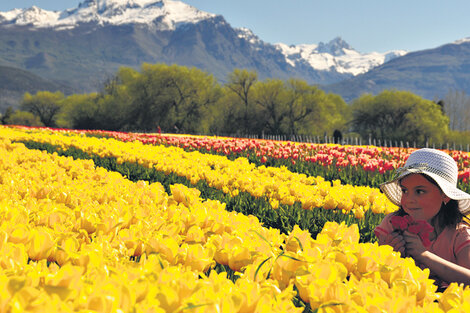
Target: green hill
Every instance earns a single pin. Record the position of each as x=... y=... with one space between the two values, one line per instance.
x=14 y=83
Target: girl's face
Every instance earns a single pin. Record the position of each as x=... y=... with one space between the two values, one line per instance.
x=420 y=198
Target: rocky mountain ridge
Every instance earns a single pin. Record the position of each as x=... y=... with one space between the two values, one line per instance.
x=335 y=56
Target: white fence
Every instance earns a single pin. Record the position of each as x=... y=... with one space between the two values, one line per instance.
x=355 y=141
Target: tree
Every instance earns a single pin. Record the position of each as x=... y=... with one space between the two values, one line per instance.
x=194 y=95
x=426 y=122
x=159 y=96
x=280 y=107
x=150 y=98
x=298 y=104
x=457 y=108
x=23 y=118
x=271 y=96
x=114 y=102
x=312 y=111
x=398 y=115
x=81 y=112
x=337 y=113
x=8 y=112
x=44 y=104
x=172 y=97
x=240 y=83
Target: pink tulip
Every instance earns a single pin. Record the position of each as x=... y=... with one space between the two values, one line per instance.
x=418 y=227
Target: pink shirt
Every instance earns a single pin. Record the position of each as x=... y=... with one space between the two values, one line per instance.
x=447 y=245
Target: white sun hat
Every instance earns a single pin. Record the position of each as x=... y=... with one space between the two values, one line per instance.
x=436 y=164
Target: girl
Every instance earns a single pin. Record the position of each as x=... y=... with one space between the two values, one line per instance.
x=426 y=191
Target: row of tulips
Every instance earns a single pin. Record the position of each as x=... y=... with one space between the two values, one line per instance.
x=277 y=184
x=284 y=218
x=357 y=165
x=368 y=158
x=79 y=238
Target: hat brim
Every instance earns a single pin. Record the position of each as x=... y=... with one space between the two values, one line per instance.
x=393 y=191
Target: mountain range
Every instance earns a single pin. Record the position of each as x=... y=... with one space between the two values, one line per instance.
x=83 y=47
x=430 y=73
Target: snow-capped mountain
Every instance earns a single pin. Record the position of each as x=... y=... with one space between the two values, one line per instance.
x=461 y=41
x=335 y=56
x=109 y=12
x=430 y=73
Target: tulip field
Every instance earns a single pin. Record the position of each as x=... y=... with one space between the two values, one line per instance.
x=97 y=221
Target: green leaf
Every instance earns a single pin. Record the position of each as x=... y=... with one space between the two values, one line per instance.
x=300 y=244
x=193 y=306
x=259 y=267
x=261 y=236
x=291 y=257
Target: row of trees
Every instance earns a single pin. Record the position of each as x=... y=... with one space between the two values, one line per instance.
x=180 y=99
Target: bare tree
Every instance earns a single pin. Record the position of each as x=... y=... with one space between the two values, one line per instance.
x=241 y=82
x=457 y=108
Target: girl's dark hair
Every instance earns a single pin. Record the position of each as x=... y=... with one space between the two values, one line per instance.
x=448 y=215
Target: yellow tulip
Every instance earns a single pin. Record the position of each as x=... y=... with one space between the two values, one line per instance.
x=239 y=257
x=20 y=234
x=250 y=295
x=298 y=239
x=41 y=244
x=195 y=234
x=100 y=303
x=66 y=247
x=168 y=299
x=452 y=298
x=197 y=257
x=285 y=268
x=330 y=203
x=13 y=256
x=358 y=212
x=274 y=203
x=27 y=298
x=165 y=245
x=346 y=257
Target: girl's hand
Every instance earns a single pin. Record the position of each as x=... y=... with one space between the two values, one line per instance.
x=394 y=239
x=414 y=245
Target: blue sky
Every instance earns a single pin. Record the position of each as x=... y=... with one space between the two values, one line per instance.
x=367 y=25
